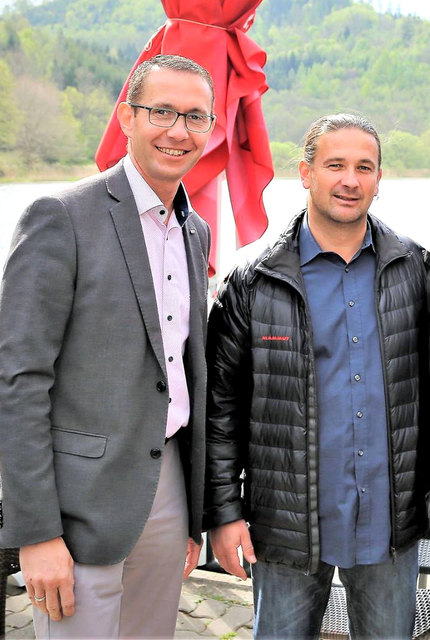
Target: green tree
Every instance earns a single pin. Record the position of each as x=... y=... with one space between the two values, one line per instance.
x=402 y=150
x=286 y=156
x=48 y=130
x=92 y=112
x=37 y=51
x=323 y=56
x=10 y=114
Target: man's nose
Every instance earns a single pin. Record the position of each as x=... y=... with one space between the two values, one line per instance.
x=350 y=178
x=178 y=131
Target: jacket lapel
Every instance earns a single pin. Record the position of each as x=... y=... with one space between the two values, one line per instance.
x=197 y=273
x=129 y=230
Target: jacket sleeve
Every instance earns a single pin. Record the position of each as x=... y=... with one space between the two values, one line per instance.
x=229 y=397
x=424 y=437
x=35 y=301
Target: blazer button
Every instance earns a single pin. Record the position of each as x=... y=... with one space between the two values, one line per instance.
x=161 y=385
x=155 y=453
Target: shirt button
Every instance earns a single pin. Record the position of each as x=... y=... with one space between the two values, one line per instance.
x=170 y=400
x=360 y=452
x=359 y=414
x=355 y=339
x=351 y=303
x=169 y=277
x=162 y=212
x=155 y=453
x=363 y=490
x=170 y=358
x=161 y=386
x=169 y=318
x=346 y=269
x=357 y=377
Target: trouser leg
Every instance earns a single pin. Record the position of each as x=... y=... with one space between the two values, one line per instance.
x=138 y=597
x=289 y=605
x=153 y=571
x=98 y=593
x=381 y=597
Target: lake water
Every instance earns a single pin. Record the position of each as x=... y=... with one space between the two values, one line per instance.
x=403 y=204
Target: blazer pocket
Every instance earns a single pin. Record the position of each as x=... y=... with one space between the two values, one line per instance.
x=78 y=443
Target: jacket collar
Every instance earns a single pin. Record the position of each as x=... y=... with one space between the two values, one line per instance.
x=116 y=182
x=388 y=245
x=283 y=259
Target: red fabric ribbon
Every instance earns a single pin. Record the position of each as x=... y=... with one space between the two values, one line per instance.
x=214 y=35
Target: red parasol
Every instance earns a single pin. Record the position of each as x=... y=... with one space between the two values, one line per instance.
x=214 y=35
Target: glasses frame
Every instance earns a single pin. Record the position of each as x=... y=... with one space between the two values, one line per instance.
x=178 y=113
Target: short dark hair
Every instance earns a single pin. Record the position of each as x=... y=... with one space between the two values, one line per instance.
x=334 y=122
x=161 y=61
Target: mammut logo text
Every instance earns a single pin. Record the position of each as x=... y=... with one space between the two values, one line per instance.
x=279 y=338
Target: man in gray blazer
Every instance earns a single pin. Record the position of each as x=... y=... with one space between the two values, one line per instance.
x=102 y=376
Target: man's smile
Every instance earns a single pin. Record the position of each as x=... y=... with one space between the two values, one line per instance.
x=172 y=152
x=345 y=198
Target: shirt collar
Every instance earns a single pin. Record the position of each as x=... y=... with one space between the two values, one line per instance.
x=147 y=200
x=309 y=247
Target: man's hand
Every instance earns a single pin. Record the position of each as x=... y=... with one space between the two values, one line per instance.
x=226 y=540
x=193 y=554
x=47 y=568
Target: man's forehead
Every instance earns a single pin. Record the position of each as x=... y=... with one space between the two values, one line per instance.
x=175 y=82
x=348 y=142
x=162 y=74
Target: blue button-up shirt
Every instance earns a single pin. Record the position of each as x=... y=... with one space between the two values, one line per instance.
x=354 y=490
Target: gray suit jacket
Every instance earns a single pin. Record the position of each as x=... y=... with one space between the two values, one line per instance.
x=83 y=383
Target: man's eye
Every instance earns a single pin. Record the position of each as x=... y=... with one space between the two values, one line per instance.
x=161 y=112
x=196 y=117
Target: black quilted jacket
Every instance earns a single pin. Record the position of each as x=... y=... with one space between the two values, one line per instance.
x=263 y=414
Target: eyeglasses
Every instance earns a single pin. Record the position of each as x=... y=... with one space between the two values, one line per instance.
x=160 y=117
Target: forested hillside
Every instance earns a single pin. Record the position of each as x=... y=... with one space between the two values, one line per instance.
x=63 y=63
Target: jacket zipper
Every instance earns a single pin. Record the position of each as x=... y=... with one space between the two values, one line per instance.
x=313 y=558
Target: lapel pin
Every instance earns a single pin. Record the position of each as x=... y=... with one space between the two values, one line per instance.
x=192 y=230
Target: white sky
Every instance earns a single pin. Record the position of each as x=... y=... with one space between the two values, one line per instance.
x=407 y=7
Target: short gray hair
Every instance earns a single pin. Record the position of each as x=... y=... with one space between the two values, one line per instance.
x=328 y=124
x=161 y=61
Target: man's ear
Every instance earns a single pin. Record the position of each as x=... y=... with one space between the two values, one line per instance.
x=377 y=184
x=125 y=115
x=304 y=170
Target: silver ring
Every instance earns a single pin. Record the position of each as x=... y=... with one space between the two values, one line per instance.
x=36 y=599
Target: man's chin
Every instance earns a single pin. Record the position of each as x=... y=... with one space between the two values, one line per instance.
x=347 y=215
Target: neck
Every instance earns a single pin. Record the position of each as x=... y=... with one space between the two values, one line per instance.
x=343 y=239
x=166 y=191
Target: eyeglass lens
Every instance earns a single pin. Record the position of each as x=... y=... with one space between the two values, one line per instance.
x=196 y=122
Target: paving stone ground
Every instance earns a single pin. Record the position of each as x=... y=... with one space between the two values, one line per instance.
x=215 y=605
x=212 y=606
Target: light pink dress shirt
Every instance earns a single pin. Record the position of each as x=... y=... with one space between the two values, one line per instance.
x=169 y=268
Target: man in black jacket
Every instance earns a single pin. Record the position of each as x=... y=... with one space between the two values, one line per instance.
x=318 y=377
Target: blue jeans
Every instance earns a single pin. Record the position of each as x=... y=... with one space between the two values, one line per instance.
x=380 y=598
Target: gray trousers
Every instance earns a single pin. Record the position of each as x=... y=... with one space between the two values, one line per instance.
x=138 y=597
